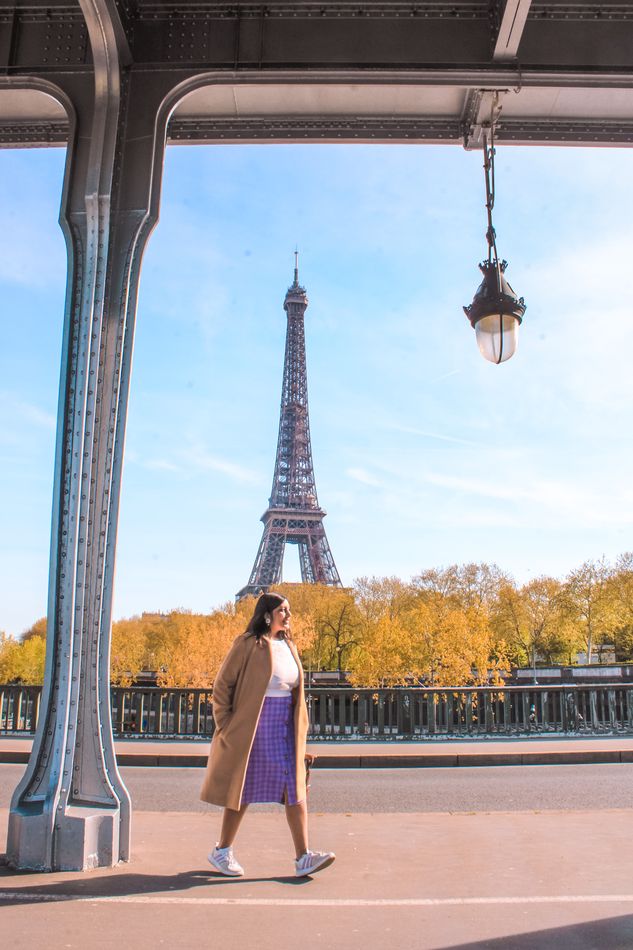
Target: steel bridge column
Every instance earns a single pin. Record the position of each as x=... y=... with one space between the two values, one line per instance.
x=71 y=811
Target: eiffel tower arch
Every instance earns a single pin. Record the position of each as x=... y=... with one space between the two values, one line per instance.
x=293 y=515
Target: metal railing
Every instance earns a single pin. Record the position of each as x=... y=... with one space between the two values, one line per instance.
x=340 y=713
x=19 y=708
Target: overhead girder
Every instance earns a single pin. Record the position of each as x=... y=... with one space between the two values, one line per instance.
x=457 y=50
x=528 y=117
x=211 y=35
x=512 y=19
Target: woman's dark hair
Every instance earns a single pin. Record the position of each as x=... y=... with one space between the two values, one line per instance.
x=257 y=625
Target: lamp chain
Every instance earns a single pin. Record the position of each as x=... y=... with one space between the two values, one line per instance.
x=489 y=170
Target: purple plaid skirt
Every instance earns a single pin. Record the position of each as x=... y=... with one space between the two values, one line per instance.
x=271 y=771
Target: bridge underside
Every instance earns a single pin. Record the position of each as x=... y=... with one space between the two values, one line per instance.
x=332 y=72
x=117 y=79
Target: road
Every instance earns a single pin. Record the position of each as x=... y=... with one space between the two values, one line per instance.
x=511 y=858
x=524 y=788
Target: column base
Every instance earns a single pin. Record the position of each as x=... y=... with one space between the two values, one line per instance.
x=82 y=838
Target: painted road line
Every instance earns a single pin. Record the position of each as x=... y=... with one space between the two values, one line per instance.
x=26 y=897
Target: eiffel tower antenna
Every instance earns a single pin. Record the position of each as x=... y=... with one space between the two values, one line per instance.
x=293 y=515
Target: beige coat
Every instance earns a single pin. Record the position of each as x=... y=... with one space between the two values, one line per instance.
x=238 y=697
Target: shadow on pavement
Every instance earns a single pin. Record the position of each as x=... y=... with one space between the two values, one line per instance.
x=616 y=933
x=120 y=885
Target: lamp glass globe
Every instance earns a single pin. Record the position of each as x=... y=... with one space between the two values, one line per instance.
x=497 y=336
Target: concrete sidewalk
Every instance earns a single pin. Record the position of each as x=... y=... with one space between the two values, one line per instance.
x=345 y=754
x=521 y=881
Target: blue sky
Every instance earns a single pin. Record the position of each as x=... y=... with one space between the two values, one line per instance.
x=424 y=453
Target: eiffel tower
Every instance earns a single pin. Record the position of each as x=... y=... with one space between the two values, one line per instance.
x=293 y=515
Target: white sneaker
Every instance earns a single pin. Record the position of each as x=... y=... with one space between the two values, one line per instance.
x=223 y=860
x=313 y=861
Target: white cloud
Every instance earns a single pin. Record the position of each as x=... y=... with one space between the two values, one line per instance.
x=411 y=430
x=19 y=410
x=579 y=335
x=552 y=499
x=363 y=476
x=198 y=458
x=193 y=459
x=161 y=465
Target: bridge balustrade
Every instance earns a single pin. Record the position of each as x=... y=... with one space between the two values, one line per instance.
x=19 y=708
x=347 y=713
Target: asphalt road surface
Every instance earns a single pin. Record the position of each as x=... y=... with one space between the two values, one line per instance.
x=508 y=788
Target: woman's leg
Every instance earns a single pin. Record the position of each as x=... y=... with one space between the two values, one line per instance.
x=297 y=816
x=231 y=821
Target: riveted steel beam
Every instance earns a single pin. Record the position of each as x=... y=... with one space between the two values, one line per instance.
x=71 y=810
x=511 y=25
x=334 y=129
x=314 y=128
x=561 y=132
x=37 y=134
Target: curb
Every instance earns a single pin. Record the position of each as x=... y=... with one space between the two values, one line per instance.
x=404 y=761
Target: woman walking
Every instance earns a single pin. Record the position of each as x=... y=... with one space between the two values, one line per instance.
x=261 y=723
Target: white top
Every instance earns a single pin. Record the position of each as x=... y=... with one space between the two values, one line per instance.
x=285 y=670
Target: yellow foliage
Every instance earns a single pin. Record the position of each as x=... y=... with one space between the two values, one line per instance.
x=457 y=646
x=37 y=630
x=451 y=626
x=324 y=624
x=423 y=636
x=128 y=651
x=22 y=662
x=384 y=654
x=8 y=665
x=194 y=647
x=589 y=604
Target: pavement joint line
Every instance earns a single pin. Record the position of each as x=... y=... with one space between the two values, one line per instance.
x=23 y=897
x=396 y=760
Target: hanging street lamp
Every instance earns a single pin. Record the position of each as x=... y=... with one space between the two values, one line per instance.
x=496 y=312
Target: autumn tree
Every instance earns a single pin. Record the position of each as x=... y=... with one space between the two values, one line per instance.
x=383 y=655
x=533 y=622
x=457 y=646
x=38 y=629
x=466 y=586
x=410 y=636
x=621 y=589
x=324 y=623
x=129 y=654
x=8 y=649
x=386 y=629
x=588 y=603
x=22 y=662
x=377 y=597
x=192 y=646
